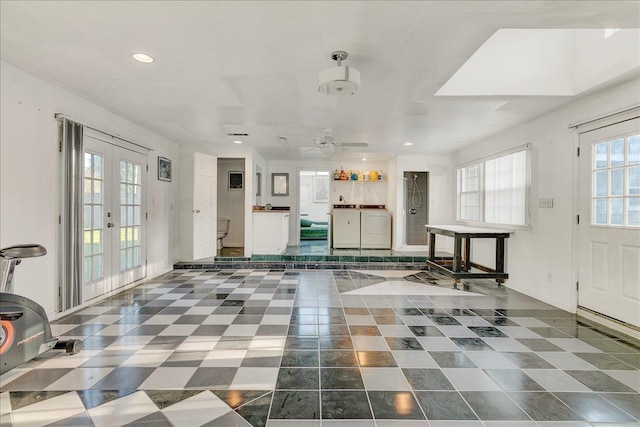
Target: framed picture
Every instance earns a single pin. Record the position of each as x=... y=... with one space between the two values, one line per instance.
x=164 y=169
x=236 y=180
x=320 y=189
x=280 y=184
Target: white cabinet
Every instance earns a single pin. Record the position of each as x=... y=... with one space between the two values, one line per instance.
x=270 y=232
x=346 y=228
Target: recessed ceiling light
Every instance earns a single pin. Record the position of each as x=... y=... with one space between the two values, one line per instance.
x=408 y=143
x=237 y=142
x=142 y=57
x=364 y=158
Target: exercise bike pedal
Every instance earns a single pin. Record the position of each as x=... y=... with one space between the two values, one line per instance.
x=70 y=347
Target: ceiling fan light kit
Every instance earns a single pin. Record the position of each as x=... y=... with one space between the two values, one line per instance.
x=327 y=149
x=339 y=80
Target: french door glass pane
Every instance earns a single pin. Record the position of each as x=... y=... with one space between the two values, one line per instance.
x=130 y=207
x=93 y=210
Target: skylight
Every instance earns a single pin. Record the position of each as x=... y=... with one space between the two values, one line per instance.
x=545 y=62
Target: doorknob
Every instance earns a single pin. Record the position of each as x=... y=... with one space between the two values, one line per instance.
x=195 y=211
x=110 y=224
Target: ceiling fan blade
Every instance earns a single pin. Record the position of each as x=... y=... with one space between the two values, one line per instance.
x=354 y=144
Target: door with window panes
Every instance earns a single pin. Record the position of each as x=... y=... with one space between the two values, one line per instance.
x=114 y=216
x=609 y=228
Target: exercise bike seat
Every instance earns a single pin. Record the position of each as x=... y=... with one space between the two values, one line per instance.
x=23 y=251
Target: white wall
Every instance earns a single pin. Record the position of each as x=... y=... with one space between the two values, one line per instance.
x=548 y=246
x=441 y=193
x=231 y=202
x=29 y=185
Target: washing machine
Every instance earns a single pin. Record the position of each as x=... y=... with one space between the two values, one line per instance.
x=375 y=227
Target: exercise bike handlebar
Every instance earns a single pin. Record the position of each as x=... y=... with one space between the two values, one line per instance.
x=12 y=256
x=23 y=251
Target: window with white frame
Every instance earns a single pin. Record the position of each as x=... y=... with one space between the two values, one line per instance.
x=469 y=193
x=615 y=195
x=496 y=190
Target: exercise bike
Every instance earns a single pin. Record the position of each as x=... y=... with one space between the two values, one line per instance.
x=25 y=331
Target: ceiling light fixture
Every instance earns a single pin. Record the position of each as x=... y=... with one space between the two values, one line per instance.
x=143 y=57
x=364 y=158
x=237 y=141
x=339 y=80
x=408 y=143
x=327 y=148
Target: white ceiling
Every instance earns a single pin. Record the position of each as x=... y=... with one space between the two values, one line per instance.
x=252 y=67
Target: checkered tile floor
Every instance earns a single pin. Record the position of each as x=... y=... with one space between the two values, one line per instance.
x=331 y=348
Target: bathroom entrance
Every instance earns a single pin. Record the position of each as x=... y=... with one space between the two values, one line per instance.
x=230 y=220
x=416 y=207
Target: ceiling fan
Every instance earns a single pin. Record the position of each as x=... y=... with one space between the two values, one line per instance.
x=327 y=143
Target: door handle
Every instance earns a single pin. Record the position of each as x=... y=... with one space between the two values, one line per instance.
x=195 y=211
x=110 y=224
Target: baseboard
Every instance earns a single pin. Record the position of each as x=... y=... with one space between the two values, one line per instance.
x=541 y=297
x=609 y=322
x=413 y=248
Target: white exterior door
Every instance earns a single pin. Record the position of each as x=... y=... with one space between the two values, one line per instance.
x=114 y=217
x=609 y=229
x=205 y=205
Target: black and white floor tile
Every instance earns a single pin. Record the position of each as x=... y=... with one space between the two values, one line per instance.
x=326 y=348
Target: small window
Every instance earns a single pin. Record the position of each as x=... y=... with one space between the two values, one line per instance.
x=615 y=178
x=469 y=193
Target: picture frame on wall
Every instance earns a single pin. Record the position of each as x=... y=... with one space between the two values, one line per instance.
x=320 y=189
x=164 y=169
x=236 y=180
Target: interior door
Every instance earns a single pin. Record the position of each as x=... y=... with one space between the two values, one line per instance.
x=205 y=177
x=609 y=228
x=114 y=216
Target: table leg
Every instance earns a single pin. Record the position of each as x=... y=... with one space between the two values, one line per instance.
x=467 y=254
x=432 y=247
x=457 y=254
x=500 y=254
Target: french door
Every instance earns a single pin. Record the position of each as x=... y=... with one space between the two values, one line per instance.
x=609 y=228
x=114 y=216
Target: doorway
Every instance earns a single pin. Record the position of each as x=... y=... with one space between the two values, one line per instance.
x=231 y=202
x=114 y=216
x=314 y=211
x=416 y=207
x=609 y=225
